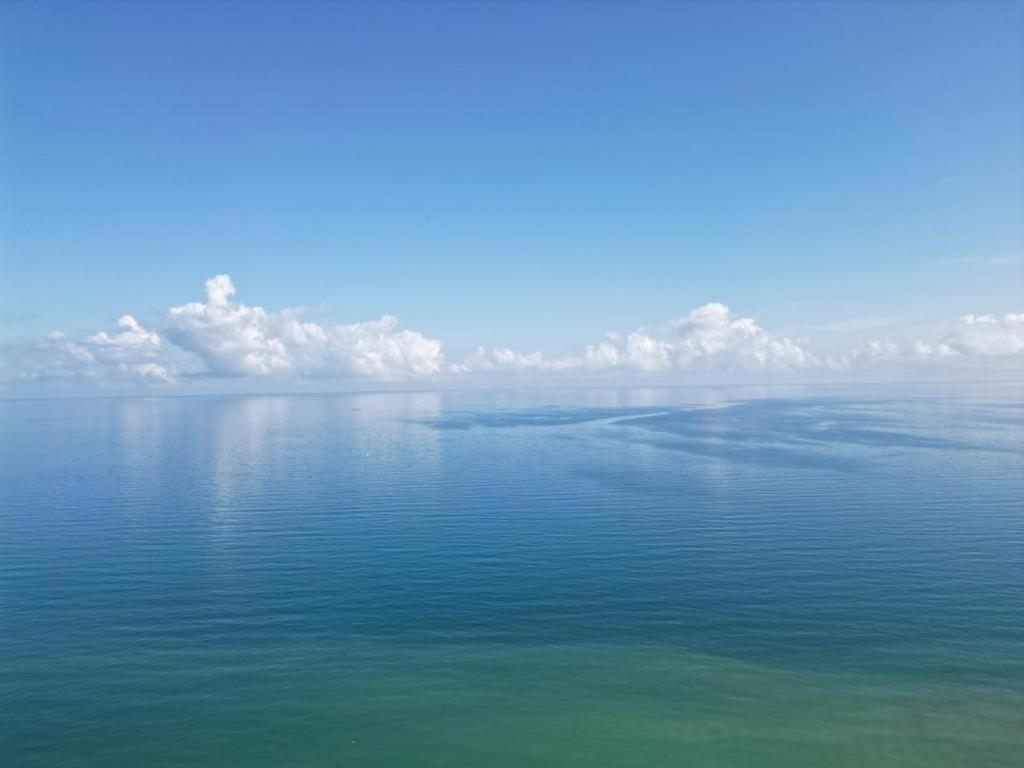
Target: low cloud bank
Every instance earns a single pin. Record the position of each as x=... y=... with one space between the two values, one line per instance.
x=709 y=336
x=224 y=338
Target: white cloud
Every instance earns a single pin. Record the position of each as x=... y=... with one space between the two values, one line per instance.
x=975 y=341
x=708 y=337
x=129 y=354
x=131 y=342
x=504 y=360
x=988 y=335
x=233 y=339
x=880 y=352
x=226 y=338
x=712 y=332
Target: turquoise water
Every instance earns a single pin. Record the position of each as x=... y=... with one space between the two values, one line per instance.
x=599 y=577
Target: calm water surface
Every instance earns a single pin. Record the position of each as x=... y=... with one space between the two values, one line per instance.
x=600 y=578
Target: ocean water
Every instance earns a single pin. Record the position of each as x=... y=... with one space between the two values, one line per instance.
x=641 y=577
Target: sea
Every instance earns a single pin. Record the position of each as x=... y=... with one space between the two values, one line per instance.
x=776 y=576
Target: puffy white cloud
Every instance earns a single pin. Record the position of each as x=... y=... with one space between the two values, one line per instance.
x=226 y=338
x=708 y=337
x=509 y=361
x=890 y=352
x=976 y=339
x=129 y=354
x=233 y=339
x=988 y=335
x=712 y=337
x=131 y=342
x=712 y=332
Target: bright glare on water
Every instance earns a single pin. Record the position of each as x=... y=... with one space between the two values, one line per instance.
x=593 y=578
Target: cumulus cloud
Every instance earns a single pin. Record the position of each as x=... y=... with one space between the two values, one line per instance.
x=988 y=335
x=129 y=354
x=975 y=340
x=890 y=352
x=233 y=339
x=708 y=337
x=505 y=360
x=132 y=341
x=712 y=332
x=223 y=337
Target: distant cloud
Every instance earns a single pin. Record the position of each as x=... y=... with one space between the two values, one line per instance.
x=988 y=335
x=225 y=338
x=233 y=339
x=709 y=336
x=974 y=337
x=712 y=332
x=128 y=354
x=889 y=351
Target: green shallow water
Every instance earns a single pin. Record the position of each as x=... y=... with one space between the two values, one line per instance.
x=616 y=578
x=600 y=705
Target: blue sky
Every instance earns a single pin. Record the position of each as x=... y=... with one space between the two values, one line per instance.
x=521 y=175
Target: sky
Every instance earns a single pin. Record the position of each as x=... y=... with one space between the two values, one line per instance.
x=342 y=194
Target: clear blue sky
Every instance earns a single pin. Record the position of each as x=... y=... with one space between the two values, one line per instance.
x=524 y=174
